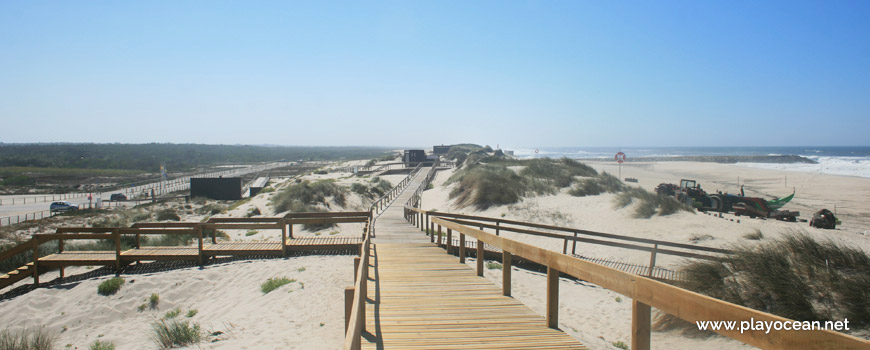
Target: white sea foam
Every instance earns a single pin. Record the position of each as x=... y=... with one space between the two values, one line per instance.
x=849 y=166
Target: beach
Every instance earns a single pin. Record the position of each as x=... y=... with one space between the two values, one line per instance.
x=309 y=313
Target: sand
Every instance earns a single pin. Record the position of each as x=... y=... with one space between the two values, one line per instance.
x=227 y=298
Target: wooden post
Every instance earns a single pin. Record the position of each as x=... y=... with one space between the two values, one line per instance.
x=290 y=229
x=496 y=227
x=60 y=250
x=35 y=241
x=117 y=235
x=439 y=236
x=461 y=248
x=565 y=246
x=506 y=273
x=480 y=254
x=431 y=232
x=348 y=306
x=552 y=298
x=652 y=260
x=356 y=261
x=199 y=245
x=283 y=238
x=213 y=235
x=640 y=326
x=574 y=245
x=449 y=241
x=364 y=286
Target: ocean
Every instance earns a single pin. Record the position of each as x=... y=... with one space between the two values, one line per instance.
x=849 y=161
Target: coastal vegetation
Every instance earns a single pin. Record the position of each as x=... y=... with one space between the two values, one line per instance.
x=110 y=286
x=149 y=157
x=274 y=283
x=309 y=196
x=376 y=188
x=485 y=181
x=793 y=276
x=102 y=345
x=28 y=338
x=176 y=333
x=648 y=203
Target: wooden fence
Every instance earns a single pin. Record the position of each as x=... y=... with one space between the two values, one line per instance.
x=647 y=293
x=200 y=231
x=423 y=220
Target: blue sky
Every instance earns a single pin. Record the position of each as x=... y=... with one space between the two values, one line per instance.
x=518 y=74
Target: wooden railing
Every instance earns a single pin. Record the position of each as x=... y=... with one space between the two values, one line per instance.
x=646 y=293
x=423 y=220
x=416 y=199
x=284 y=223
x=355 y=297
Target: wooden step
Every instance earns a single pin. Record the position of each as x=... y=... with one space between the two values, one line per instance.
x=16 y=275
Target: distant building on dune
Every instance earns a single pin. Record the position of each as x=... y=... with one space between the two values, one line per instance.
x=220 y=188
x=414 y=156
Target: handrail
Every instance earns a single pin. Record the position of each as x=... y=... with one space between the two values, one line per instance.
x=646 y=293
x=356 y=318
x=382 y=203
x=500 y=221
x=414 y=201
x=175 y=228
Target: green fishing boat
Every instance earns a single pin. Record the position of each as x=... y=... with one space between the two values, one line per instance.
x=775 y=204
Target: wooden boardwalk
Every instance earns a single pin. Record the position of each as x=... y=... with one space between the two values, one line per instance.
x=419 y=297
x=157 y=253
x=422 y=298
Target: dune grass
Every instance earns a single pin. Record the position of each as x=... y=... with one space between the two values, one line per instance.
x=154 y=301
x=309 y=196
x=793 y=276
x=176 y=333
x=102 y=345
x=649 y=203
x=755 y=235
x=593 y=186
x=168 y=215
x=31 y=338
x=483 y=186
x=486 y=181
x=110 y=286
x=172 y=314
x=376 y=188
x=275 y=283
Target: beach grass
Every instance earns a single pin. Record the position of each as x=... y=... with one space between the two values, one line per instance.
x=794 y=276
x=309 y=196
x=593 y=186
x=102 y=345
x=154 y=301
x=168 y=215
x=110 y=286
x=274 y=283
x=30 y=338
x=176 y=333
x=648 y=203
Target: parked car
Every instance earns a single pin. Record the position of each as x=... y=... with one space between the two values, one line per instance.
x=58 y=207
x=117 y=197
